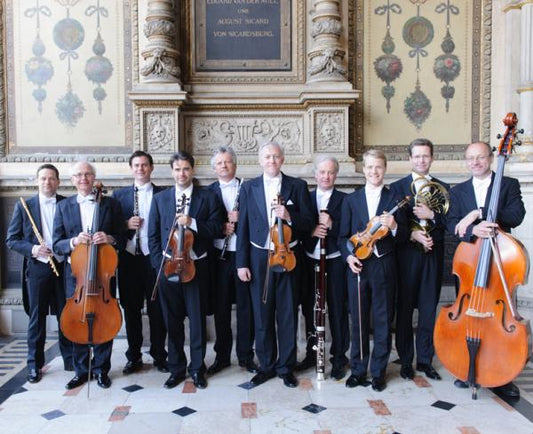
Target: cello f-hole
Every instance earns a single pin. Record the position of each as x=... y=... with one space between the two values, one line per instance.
x=511 y=327
x=455 y=316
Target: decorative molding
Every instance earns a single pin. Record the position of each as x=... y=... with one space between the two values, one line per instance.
x=329 y=131
x=3 y=90
x=160 y=131
x=517 y=5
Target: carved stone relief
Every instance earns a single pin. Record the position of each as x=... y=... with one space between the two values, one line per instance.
x=159 y=130
x=329 y=132
x=245 y=133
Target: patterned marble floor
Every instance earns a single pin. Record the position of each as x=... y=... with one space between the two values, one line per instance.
x=139 y=404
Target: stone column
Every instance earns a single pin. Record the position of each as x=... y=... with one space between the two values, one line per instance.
x=326 y=56
x=160 y=55
x=526 y=79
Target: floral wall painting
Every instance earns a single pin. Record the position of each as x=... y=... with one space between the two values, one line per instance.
x=419 y=76
x=69 y=76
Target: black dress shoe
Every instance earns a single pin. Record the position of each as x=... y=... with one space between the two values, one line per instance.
x=103 y=380
x=161 y=366
x=199 y=380
x=379 y=384
x=77 y=381
x=132 y=366
x=356 y=380
x=306 y=363
x=428 y=370
x=289 y=379
x=261 y=377
x=250 y=366
x=34 y=376
x=174 y=380
x=338 y=372
x=217 y=366
x=509 y=390
x=461 y=384
x=406 y=372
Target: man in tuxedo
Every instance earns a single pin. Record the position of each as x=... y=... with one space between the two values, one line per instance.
x=227 y=285
x=272 y=288
x=73 y=225
x=326 y=202
x=371 y=281
x=202 y=214
x=469 y=202
x=420 y=261
x=136 y=277
x=41 y=287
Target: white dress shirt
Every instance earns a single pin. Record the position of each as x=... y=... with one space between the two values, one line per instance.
x=322 y=202
x=144 y=199
x=229 y=193
x=481 y=187
x=47 y=206
x=193 y=226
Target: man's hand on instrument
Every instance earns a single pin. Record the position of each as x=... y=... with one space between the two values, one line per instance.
x=422 y=238
x=134 y=223
x=233 y=216
x=320 y=231
x=83 y=237
x=281 y=212
x=467 y=220
x=423 y=212
x=184 y=220
x=102 y=238
x=355 y=264
x=244 y=274
x=229 y=229
x=325 y=219
x=43 y=251
x=388 y=220
x=485 y=229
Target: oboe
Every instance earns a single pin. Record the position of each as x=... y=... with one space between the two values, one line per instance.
x=235 y=208
x=138 y=250
x=38 y=235
x=320 y=311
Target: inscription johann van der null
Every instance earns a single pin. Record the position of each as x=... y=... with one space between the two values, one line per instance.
x=243 y=35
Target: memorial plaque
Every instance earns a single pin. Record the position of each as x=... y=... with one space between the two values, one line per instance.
x=243 y=35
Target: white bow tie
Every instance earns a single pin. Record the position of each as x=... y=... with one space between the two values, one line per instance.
x=232 y=183
x=88 y=198
x=48 y=200
x=144 y=187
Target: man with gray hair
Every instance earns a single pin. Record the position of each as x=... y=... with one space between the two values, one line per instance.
x=227 y=285
x=326 y=201
x=272 y=288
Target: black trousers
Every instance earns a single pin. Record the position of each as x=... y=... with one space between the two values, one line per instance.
x=44 y=289
x=275 y=320
x=101 y=362
x=230 y=288
x=136 y=279
x=419 y=288
x=377 y=289
x=180 y=300
x=337 y=308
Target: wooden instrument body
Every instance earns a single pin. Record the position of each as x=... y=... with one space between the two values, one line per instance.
x=181 y=267
x=364 y=241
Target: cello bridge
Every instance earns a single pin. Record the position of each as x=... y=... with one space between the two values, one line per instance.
x=473 y=312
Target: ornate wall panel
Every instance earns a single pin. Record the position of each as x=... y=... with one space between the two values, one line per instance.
x=425 y=72
x=67 y=74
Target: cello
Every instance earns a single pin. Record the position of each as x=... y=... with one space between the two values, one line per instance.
x=481 y=338
x=92 y=315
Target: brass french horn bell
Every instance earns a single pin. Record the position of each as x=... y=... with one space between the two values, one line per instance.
x=434 y=196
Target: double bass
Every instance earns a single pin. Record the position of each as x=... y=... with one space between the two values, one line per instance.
x=481 y=338
x=92 y=315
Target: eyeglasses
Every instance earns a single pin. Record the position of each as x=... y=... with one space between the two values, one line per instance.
x=83 y=175
x=477 y=158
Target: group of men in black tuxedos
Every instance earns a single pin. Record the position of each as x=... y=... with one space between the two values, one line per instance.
x=231 y=223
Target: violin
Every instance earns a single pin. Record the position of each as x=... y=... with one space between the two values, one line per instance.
x=92 y=315
x=282 y=258
x=180 y=266
x=362 y=243
x=481 y=338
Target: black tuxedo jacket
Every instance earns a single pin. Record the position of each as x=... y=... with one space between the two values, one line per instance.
x=402 y=187
x=334 y=210
x=511 y=209
x=253 y=215
x=205 y=207
x=125 y=197
x=354 y=218
x=67 y=223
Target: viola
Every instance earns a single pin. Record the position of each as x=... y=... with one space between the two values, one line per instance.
x=92 y=315
x=362 y=243
x=282 y=257
x=481 y=338
x=180 y=266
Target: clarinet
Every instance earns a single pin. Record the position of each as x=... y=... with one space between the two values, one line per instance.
x=138 y=250
x=320 y=311
x=235 y=208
